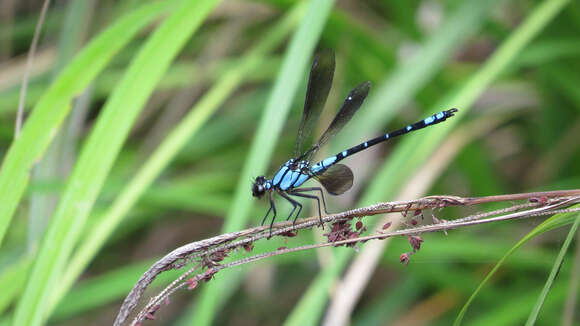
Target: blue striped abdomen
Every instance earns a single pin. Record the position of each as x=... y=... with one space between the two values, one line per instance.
x=323 y=165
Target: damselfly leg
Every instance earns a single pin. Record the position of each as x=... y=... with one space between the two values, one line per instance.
x=272 y=208
x=294 y=203
x=309 y=189
x=300 y=192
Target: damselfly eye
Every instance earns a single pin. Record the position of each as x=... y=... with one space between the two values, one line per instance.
x=258 y=189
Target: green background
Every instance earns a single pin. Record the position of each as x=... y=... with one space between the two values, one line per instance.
x=145 y=123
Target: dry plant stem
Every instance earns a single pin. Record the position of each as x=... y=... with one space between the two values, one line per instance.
x=545 y=203
x=164 y=295
x=155 y=303
x=29 y=60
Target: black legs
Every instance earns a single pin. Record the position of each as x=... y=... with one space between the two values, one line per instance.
x=311 y=197
x=272 y=207
x=295 y=191
x=294 y=203
x=301 y=192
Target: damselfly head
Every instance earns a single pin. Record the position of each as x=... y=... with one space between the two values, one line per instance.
x=258 y=187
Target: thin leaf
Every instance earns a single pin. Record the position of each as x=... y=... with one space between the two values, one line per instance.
x=99 y=152
x=12 y=280
x=553 y=274
x=62 y=150
x=547 y=225
x=53 y=107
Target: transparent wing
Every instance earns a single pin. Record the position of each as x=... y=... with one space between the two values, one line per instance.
x=337 y=179
x=319 y=84
x=351 y=104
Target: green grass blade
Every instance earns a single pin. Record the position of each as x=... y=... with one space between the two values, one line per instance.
x=99 y=152
x=53 y=107
x=553 y=273
x=12 y=280
x=158 y=161
x=557 y=220
x=60 y=152
x=296 y=59
x=514 y=307
x=548 y=51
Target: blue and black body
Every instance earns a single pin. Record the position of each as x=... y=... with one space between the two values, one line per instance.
x=335 y=178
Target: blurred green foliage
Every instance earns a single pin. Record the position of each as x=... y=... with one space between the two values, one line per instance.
x=196 y=111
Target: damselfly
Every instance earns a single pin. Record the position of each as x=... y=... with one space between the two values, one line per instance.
x=335 y=178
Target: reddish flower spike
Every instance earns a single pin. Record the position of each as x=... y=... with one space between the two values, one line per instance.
x=415 y=242
x=209 y=274
x=151 y=312
x=191 y=283
x=249 y=247
x=404 y=258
